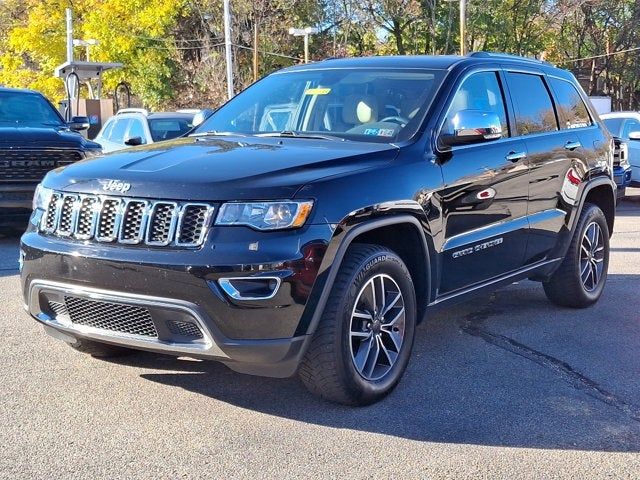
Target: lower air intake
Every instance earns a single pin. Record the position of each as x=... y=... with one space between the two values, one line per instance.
x=115 y=317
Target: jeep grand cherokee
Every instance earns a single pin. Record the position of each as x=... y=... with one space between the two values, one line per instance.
x=315 y=219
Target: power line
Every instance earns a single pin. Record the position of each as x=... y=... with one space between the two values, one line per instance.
x=600 y=56
x=267 y=53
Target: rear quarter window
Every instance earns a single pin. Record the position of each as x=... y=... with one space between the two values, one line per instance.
x=572 y=111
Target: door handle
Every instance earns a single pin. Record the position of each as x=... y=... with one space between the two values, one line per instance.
x=515 y=156
x=572 y=145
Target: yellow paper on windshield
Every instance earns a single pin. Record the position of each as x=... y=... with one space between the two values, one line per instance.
x=317 y=91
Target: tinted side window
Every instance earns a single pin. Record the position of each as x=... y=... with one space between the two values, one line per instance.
x=534 y=109
x=481 y=91
x=571 y=109
x=136 y=129
x=118 y=131
x=629 y=127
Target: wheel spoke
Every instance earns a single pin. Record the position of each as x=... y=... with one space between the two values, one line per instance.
x=395 y=319
x=585 y=250
x=395 y=338
x=391 y=304
x=360 y=360
x=391 y=356
x=596 y=274
x=363 y=315
x=372 y=358
x=360 y=334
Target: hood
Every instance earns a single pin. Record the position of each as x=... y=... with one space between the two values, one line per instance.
x=215 y=168
x=20 y=136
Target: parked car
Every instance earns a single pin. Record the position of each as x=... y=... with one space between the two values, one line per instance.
x=621 y=166
x=314 y=239
x=626 y=125
x=34 y=139
x=136 y=126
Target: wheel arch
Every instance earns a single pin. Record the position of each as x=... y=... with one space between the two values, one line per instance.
x=387 y=231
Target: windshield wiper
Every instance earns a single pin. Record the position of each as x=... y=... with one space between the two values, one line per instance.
x=292 y=134
x=215 y=133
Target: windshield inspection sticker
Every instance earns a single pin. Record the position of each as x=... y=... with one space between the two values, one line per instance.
x=317 y=91
x=380 y=132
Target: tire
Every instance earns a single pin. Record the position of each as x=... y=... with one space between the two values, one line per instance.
x=99 y=350
x=574 y=284
x=336 y=366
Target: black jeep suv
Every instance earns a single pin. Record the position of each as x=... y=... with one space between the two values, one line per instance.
x=33 y=140
x=311 y=222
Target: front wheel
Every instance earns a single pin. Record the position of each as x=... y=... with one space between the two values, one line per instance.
x=580 y=279
x=363 y=343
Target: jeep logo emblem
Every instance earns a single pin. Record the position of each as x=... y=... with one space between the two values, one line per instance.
x=115 y=186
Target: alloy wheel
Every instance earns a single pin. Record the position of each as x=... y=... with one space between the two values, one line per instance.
x=377 y=329
x=591 y=257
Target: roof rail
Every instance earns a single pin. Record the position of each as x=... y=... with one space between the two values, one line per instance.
x=507 y=56
x=143 y=111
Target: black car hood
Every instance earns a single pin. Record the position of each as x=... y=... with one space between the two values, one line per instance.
x=19 y=136
x=215 y=168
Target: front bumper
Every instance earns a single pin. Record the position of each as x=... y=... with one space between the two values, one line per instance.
x=180 y=285
x=15 y=203
x=622 y=177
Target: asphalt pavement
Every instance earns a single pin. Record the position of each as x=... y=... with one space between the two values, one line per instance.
x=504 y=386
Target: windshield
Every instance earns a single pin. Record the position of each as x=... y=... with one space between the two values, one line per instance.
x=27 y=109
x=354 y=104
x=614 y=125
x=168 y=128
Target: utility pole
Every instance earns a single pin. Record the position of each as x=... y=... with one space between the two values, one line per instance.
x=227 y=47
x=255 y=49
x=463 y=27
x=69 y=35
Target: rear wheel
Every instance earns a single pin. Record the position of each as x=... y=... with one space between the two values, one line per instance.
x=580 y=279
x=99 y=350
x=363 y=343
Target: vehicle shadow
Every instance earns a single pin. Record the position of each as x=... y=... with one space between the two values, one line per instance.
x=459 y=388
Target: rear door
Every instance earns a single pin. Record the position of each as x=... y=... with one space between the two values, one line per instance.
x=554 y=155
x=484 y=198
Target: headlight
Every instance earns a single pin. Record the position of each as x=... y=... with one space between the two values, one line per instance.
x=92 y=152
x=41 y=197
x=265 y=215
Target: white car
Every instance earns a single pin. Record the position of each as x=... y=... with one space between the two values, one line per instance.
x=136 y=126
x=626 y=125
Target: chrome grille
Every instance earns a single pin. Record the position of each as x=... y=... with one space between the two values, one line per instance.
x=115 y=317
x=108 y=220
x=127 y=221
x=87 y=217
x=162 y=224
x=133 y=221
x=50 y=218
x=192 y=221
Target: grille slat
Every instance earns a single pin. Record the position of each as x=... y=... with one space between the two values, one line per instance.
x=32 y=164
x=115 y=317
x=127 y=221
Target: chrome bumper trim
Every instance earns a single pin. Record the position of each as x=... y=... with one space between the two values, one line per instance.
x=207 y=346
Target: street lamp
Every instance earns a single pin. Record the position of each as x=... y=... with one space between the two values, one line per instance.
x=304 y=32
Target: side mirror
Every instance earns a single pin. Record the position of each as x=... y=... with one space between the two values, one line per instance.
x=78 y=124
x=472 y=126
x=634 y=135
x=133 y=141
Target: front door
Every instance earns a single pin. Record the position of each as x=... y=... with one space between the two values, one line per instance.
x=485 y=193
